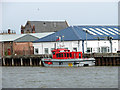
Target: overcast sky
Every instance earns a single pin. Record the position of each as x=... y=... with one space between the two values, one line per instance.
x=15 y=14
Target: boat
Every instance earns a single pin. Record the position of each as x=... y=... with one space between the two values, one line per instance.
x=62 y=57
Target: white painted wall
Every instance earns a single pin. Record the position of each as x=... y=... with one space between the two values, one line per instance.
x=102 y=43
x=94 y=44
x=118 y=45
x=67 y=44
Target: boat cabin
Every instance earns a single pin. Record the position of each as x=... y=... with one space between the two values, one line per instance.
x=65 y=54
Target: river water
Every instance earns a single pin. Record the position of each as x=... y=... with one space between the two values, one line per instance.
x=67 y=77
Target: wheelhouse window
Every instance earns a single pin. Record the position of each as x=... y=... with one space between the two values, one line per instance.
x=53 y=53
x=36 y=50
x=56 y=55
x=59 y=55
x=79 y=55
x=46 y=50
x=67 y=54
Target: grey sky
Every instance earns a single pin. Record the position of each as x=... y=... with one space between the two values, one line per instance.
x=15 y=14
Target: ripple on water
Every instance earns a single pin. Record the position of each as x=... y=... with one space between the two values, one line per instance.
x=44 y=77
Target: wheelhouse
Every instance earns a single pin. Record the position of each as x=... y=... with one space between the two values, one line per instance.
x=65 y=54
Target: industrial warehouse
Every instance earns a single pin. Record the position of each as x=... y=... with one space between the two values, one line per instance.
x=87 y=39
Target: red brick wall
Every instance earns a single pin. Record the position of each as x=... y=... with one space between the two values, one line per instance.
x=23 y=48
x=0 y=48
x=8 y=45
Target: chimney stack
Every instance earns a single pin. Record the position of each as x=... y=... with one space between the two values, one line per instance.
x=33 y=29
x=8 y=31
x=22 y=29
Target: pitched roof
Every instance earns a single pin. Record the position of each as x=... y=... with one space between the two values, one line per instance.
x=76 y=33
x=70 y=34
x=46 y=26
x=101 y=30
x=40 y=35
x=10 y=37
x=23 y=37
x=26 y=38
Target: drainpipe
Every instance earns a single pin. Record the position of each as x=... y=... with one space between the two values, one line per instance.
x=78 y=45
x=83 y=46
x=111 y=43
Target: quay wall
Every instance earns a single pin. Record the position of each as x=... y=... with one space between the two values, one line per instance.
x=28 y=60
x=110 y=59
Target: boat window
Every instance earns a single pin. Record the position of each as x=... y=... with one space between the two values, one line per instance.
x=70 y=55
x=62 y=55
x=59 y=55
x=52 y=49
x=67 y=54
x=53 y=53
x=60 y=63
x=79 y=55
x=56 y=55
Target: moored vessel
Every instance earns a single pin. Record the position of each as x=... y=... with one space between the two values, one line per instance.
x=63 y=57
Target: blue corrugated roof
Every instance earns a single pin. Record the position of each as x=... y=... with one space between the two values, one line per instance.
x=79 y=33
x=105 y=30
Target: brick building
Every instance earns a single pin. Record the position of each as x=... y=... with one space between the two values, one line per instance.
x=18 y=44
x=43 y=26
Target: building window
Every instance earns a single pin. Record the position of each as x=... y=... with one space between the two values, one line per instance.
x=104 y=49
x=75 y=49
x=89 y=50
x=46 y=50
x=115 y=49
x=98 y=50
x=36 y=50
